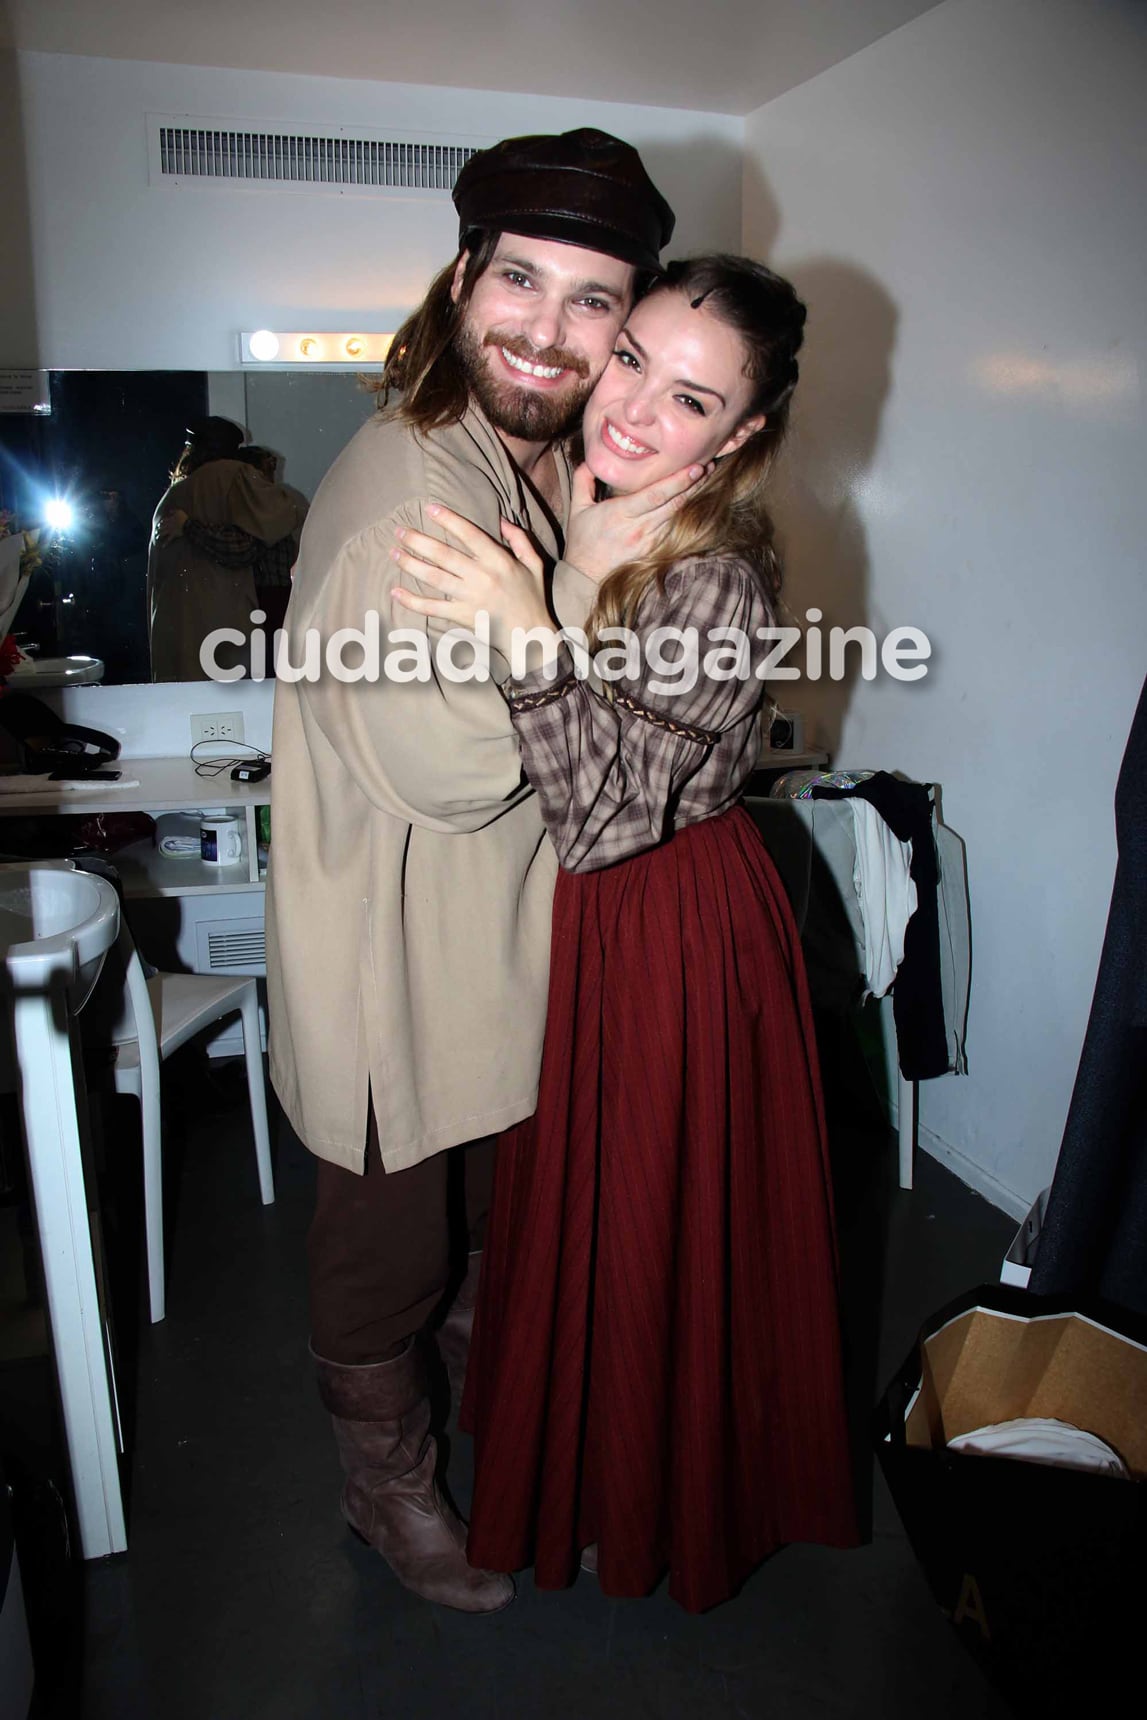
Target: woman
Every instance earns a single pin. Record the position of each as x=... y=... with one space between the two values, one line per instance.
x=656 y=1365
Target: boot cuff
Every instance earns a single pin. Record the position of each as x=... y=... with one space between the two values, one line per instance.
x=378 y=1391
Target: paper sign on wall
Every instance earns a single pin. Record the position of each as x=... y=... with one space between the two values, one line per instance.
x=25 y=391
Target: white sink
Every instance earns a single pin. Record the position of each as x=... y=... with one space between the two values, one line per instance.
x=57 y=672
x=45 y=911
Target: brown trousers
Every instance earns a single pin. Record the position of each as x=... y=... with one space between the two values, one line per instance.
x=385 y=1248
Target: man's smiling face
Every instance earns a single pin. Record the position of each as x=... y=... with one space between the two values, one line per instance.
x=537 y=332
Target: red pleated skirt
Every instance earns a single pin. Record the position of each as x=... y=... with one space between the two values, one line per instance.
x=656 y=1358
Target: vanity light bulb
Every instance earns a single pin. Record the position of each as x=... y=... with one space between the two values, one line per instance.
x=264 y=345
x=354 y=346
x=59 y=514
x=309 y=346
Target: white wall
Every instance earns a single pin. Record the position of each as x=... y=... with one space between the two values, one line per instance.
x=155 y=721
x=963 y=205
x=133 y=275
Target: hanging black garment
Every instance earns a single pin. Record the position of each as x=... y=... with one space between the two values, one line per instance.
x=917 y=993
x=1094 y=1238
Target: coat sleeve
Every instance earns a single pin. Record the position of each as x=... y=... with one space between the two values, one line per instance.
x=421 y=739
x=608 y=767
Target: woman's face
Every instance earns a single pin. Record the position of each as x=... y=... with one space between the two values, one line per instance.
x=673 y=395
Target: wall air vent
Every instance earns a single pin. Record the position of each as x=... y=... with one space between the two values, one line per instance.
x=182 y=150
x=231 y=946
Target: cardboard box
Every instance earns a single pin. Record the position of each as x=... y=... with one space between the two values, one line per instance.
x=1040 y=1569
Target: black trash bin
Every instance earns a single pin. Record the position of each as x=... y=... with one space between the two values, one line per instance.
x=1040 y=1569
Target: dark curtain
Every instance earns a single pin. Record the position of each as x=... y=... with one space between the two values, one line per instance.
x=1094 y=1239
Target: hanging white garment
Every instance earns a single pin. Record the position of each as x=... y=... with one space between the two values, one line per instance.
x=885 y=893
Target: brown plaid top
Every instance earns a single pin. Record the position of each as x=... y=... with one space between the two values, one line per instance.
x=618 y=770
x=233 y=548
x=230 y=546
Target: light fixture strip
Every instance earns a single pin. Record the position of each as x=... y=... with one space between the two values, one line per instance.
x=313 y=346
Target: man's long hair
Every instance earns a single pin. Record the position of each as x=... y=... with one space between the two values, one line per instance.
x=422 y=366
x=726 y=515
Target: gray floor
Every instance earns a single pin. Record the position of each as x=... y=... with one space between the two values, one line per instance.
x=243 y=1597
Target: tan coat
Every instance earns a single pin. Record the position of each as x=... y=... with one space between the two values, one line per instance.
x=408 y=906
x=188 y=593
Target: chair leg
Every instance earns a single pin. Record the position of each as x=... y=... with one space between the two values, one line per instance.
x=253 y=1052
x=152 y=1130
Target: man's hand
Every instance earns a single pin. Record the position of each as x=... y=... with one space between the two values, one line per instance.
x=605 y=535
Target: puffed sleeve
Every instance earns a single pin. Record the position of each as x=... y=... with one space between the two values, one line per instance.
x=267 y=511
x=609 y=766
x=423 y=738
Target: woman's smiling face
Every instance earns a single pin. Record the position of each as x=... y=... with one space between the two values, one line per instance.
x=674 y=394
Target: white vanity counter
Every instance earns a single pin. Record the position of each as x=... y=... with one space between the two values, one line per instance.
x=156 y=785
x=160 y=785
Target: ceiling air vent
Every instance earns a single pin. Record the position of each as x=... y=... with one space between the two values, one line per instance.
x=182 y=149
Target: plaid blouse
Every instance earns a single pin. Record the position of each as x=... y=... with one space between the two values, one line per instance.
x=618 y=767
x=233 y=548
x=229 y=546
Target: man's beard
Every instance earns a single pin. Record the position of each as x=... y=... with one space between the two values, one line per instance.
x=529 y=415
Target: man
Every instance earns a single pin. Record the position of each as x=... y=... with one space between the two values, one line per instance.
x=410 y=891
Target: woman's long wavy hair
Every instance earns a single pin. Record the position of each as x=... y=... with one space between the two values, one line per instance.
x=193 y=459
x=421 y=364
x=726 y=515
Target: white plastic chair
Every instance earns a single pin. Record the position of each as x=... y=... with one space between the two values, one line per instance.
x=144 y=1020
x=162 y=1014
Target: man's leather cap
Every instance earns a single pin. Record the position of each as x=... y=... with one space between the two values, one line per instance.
x=214 y=436
x=583 y=188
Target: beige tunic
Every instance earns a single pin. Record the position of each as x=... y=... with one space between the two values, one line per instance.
x=408 y=904
x=188 y=593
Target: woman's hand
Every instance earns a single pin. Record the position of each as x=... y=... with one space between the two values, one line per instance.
x=170 y=525
x=605 y=535
x=505 y=582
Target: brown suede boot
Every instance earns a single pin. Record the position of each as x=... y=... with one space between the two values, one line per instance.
x=391 y=1500
x=453 y=1334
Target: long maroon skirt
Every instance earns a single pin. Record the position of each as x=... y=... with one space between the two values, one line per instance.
x=656 y=1357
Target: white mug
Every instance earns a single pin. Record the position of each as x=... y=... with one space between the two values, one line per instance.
x=220 y=840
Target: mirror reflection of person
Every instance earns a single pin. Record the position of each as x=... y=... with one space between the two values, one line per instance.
x=657 y=1364
x=190 y=592
x=269 y=564
x=272 y=565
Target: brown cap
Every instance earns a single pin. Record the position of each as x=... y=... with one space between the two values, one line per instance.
x=582 y=188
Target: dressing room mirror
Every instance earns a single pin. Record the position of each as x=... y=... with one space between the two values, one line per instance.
x=106 y=449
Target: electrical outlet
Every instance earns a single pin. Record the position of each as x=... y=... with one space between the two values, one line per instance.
x=217 y=726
